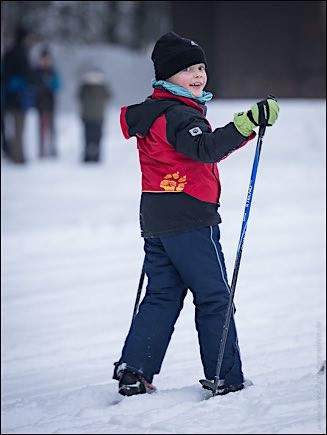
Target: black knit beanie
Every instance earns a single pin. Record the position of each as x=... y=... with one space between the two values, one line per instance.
x=172 y=53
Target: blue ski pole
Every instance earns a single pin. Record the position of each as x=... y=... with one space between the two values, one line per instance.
x=214 y=386
x=238 y=257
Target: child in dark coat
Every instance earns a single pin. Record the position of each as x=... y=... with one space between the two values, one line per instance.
x=178 y=152
x=48 y=83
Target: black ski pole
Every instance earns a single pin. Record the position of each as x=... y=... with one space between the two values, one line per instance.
x=214 y=386
x=139 y=292
x=136 y=306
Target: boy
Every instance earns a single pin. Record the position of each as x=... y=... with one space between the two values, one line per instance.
x=179 y=217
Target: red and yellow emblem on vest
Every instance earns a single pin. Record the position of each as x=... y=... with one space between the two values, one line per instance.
x=173 y=182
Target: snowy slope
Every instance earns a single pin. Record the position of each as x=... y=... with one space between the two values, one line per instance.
x=71 y=260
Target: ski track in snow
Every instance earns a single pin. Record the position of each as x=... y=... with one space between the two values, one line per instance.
x=71 y=260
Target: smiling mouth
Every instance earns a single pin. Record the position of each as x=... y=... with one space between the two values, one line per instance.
x=196 y=85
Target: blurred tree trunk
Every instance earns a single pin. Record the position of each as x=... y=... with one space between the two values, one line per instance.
x=112 y=20
x=202 y=25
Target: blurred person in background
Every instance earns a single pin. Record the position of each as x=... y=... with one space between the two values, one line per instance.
x=4 y=145
x=93 y=95
x=18 y=93
x=47 y=85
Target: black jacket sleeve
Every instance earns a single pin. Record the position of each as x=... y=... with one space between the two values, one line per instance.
x=189 y=132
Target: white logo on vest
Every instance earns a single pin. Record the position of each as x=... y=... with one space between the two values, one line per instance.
x=195 y=131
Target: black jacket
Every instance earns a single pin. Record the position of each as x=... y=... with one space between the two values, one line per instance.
x=170 y=213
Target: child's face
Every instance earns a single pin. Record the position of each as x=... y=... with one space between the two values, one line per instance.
x=192 y=78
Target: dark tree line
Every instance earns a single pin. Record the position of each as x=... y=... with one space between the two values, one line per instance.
x=131 y=24
x=251 y=46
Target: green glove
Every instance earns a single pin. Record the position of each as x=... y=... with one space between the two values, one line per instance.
x=263 y=113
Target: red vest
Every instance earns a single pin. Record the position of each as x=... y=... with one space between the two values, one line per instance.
x=166 y=170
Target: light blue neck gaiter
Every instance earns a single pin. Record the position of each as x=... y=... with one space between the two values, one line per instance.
x=182 y=92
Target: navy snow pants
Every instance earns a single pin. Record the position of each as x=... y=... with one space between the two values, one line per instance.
x=174 y=264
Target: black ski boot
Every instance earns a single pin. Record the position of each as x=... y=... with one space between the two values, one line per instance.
x=223 y=389
x=130 y=384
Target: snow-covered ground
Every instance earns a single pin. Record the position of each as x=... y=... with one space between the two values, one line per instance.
x=71 y=261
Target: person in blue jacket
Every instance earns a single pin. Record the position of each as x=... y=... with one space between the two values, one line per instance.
x=18 y=88
x=178 y=153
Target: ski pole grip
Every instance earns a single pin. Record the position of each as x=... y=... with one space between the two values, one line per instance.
x=262 y=128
